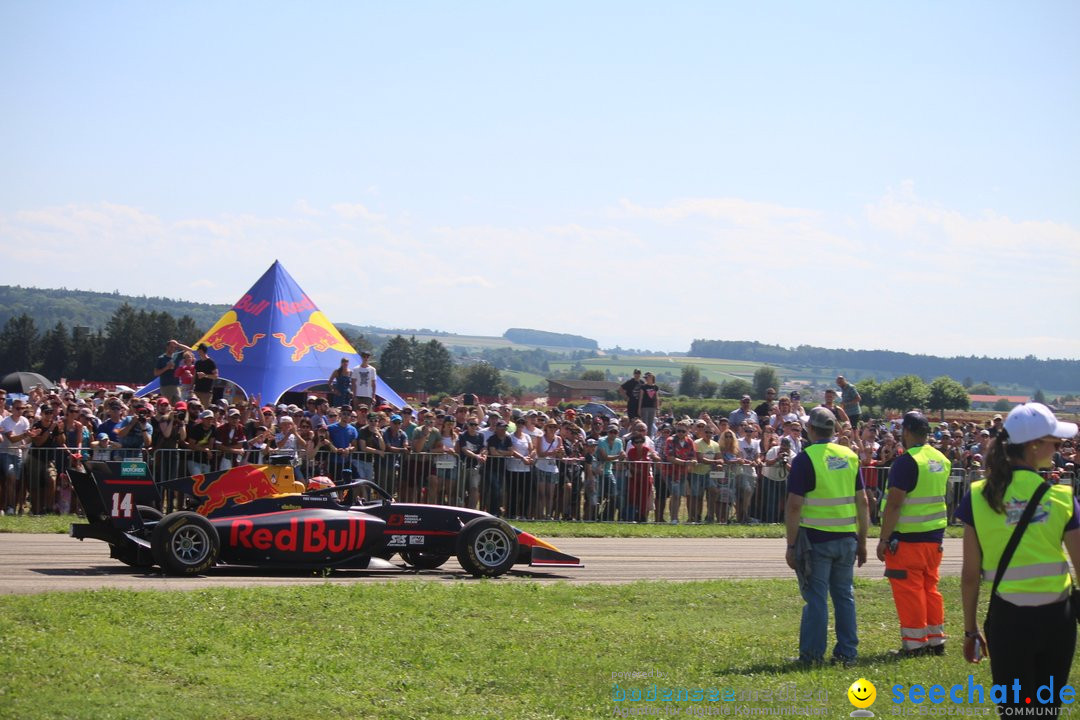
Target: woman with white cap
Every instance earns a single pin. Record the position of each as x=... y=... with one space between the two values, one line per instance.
x=1030 y=627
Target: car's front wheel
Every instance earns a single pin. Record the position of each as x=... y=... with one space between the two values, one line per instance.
x=184 y=543
x=487 y=547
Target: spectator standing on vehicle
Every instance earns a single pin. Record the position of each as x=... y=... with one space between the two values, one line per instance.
x=164 y=370
x=341 y=385
x=631 y=390
x=650 y=402
x=364 y=376
x=206 y=374
x=1030 y=630
x=849 y=400
x=913 y=519
x=827 y=519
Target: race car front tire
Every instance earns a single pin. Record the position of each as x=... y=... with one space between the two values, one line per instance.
x=487 y=547
x=184 y=543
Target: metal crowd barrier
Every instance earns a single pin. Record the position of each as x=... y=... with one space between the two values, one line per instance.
x=567 y=489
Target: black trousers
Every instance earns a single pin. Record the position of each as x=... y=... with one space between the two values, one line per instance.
x=1030 y=644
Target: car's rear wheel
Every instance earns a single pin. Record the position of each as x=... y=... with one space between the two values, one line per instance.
x=487 y=547
x=423 y=560
x=185 y=543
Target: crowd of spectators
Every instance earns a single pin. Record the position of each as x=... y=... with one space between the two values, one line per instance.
x=513 y=462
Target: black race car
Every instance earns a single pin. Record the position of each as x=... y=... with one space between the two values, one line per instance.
x=258 y=515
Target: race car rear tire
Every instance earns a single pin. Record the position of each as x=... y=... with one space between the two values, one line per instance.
x=423 y=560
x=132 y=554
x=487 y=547
x=185 y=543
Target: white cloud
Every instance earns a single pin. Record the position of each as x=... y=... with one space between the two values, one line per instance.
x=900 y=273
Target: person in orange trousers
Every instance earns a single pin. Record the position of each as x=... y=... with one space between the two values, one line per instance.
x=913 y=523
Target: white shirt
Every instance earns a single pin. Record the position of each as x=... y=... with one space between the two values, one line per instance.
x=10 y=426
x=365 y=380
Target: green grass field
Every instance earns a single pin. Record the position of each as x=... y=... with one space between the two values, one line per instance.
x=468 y=649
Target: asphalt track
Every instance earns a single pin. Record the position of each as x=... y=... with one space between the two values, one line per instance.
x=48 y=563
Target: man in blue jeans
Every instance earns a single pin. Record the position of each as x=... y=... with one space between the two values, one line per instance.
x=827 y=517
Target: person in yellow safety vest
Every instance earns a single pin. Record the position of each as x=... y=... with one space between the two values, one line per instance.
x=827 y=518
x=1030 y=629
x=913 y=519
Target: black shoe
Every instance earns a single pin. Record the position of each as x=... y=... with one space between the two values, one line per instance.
x=842 y=661
x=909 y=652
x=938 y=650
x=801 y=663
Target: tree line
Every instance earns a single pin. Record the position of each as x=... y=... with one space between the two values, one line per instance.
x=1029 y=370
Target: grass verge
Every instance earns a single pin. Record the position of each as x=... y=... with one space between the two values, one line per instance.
x=472 y=649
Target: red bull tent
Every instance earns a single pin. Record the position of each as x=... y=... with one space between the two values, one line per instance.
x=274 y=339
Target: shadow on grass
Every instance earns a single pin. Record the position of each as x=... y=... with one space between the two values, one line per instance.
x=784 y=666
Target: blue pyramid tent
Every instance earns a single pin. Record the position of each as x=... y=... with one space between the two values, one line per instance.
x=275 y=339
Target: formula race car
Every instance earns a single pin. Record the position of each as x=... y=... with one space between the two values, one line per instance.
x=258 y=515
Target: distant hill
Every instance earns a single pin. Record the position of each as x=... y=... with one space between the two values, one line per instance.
x=525 y=336
x=1027 y=371
x=93 y=309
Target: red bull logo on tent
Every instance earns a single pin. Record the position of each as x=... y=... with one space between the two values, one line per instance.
x=275 y=339
x=317 y=333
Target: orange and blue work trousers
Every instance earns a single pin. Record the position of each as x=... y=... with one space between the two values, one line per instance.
x=913 y=572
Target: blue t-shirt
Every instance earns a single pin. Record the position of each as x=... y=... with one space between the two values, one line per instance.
x=133 y=439
x=904 y=475
x=342 y=436
x=802 y=479
x=168 y=377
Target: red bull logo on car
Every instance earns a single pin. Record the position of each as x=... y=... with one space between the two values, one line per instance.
x=318 y=333
x=309 y=536
x=228 y=333
x=241 y=484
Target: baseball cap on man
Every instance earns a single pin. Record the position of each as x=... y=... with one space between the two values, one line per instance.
x=1033 y=421
x=822 y=418
x=916 y=422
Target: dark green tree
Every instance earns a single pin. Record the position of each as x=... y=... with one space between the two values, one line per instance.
x=708 y=388
x=1003 y=405
x=765 y=377
x=396 y=364
x=597 y=375
x=18 y=344
x=983 y=388
x=869 y=391
x=688 y=383
x=56 y=352
x=907 y=392
x=433 y=367
x=482 y=379
x=736 y=388
x=1040 y=397
x=947 y=394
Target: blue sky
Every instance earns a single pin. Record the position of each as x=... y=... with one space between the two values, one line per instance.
x=850 y=174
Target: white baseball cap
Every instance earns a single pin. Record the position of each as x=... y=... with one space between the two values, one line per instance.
x=1033 y=421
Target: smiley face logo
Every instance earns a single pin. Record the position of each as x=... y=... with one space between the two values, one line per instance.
x=862 y=693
